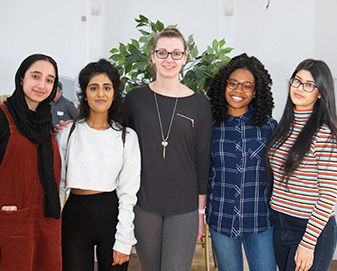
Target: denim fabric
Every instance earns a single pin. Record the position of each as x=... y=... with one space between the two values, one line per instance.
x=258 y=248
x=288 y=233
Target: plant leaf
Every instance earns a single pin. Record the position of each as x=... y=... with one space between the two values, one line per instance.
x=194 y=52
x=145 y=33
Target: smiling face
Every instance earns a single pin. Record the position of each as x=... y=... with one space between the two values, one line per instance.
x=99 y=94
x=169 y=68
x=38 y=82
x=300 y=98
x=237 y=99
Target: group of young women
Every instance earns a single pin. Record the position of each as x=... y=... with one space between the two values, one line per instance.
x=271 y=188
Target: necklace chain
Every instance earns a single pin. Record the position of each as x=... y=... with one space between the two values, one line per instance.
x=164 y=142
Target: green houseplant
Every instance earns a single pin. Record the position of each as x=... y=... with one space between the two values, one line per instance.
x=134 y=59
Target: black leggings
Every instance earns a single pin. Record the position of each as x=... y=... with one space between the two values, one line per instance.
x=89 y=220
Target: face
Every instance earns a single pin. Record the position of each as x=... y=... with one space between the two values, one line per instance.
x=169 y=67
x=58 y=94
x=237 y=99
x=302 y=99
x=100 y=94
x=38 y=82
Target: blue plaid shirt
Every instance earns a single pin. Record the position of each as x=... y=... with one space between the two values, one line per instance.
x=238 y=203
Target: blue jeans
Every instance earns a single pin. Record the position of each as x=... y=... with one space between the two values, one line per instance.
x=288 y=234
x=258 y=247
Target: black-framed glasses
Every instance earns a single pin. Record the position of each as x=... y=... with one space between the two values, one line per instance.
x=163 y=54
x=307 y=87
x=245 y=86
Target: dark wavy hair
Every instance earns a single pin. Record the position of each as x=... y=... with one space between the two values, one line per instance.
x=324 y=112
x=116 y=111
x=262 y=103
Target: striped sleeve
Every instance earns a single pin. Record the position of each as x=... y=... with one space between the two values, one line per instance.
x=324 y=149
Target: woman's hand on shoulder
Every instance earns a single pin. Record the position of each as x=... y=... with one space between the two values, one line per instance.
x=120 y=258
x=304 y=259
x=62 y=124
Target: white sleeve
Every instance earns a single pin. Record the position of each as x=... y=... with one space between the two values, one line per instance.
x=127 y=187
x=62 y=141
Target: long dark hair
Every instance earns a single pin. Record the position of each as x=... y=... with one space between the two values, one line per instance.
x=116 y=111
x=262 y=103
x=324 y=112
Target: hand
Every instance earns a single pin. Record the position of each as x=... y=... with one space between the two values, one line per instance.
x=304 y=259
x=201 y=226
x=9 y=208
x=62 y=124
x=120 y=258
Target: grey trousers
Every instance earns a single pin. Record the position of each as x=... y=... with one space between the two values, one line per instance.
x=165 y=243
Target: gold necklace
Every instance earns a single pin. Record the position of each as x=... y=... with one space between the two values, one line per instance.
x=164 y=141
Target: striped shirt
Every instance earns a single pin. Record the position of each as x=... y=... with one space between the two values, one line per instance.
x=312 y=188
x=238 y=203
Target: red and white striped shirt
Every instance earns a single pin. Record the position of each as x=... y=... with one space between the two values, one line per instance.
x=312 y=188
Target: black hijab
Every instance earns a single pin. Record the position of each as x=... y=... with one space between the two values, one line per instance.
x=37 y=126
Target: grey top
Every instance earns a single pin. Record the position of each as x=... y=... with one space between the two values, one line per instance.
x=172 y=185
x=63 y=109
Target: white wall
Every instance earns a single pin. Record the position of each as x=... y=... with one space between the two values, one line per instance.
x=52 y=27
x=288 y=32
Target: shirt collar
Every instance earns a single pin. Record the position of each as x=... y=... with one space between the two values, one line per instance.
x=244 y=118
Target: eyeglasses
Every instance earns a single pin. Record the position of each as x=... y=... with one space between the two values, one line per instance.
x=245 y=86
x=163 y=54
x=307 y=87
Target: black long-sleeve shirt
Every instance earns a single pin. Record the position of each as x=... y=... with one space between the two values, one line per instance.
x=172 y=185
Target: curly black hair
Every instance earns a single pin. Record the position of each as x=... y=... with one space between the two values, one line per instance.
x=262 y=103
x=116 y=111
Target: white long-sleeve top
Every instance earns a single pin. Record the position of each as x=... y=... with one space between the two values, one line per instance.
x=97 y=160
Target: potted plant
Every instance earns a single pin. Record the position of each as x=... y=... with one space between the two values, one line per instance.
x=133 y=60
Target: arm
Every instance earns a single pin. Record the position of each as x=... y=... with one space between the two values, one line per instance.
x=127 y=188
x=202 y=203
x=62 y=142
x=203 y=157
x=4 y=137
x=4 y=134
x=326 y=156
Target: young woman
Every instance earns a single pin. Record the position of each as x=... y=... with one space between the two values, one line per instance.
x=302 y=162
x=238 y=208
x=30 y=168
x=101 y=167
x=174 y=126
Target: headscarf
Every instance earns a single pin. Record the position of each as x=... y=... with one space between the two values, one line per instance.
x=37 y=126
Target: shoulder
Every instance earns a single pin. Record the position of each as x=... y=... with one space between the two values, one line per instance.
x=201 y=98
x=131 y=134
x=271 y=122
x=137 y=91
x=323 y=133
x=66 y=101
x=62 y=137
